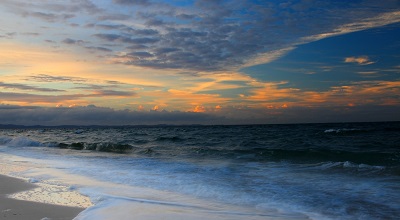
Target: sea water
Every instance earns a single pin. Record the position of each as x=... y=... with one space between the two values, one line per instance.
x=300 y=171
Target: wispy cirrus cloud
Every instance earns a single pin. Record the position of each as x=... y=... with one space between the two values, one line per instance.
x=27 y=87
x=52 y=100
x=51 y=78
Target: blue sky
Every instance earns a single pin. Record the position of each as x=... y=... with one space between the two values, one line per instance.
x=321 y=64
x=208 y=61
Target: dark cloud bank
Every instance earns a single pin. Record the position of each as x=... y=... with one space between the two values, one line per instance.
x=92 y=115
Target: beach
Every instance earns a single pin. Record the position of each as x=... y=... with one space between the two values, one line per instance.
x=310 y=171
x=21 y=210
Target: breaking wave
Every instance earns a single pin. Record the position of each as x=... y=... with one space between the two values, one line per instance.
x=19 y=142
x=260 y=154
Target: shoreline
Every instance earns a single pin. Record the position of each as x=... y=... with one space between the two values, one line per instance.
x=14 y=209
x=40 y=184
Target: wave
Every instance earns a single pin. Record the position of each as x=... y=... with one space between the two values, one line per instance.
x=102 y=147
x=187 y=149
x=370 y=158
x=344 y=130
x=350 y=166
x=169 y=139
x=19 y=142
x=305 y=155
x=363 y=128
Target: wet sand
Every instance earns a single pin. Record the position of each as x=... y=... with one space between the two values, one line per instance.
x=25 y=210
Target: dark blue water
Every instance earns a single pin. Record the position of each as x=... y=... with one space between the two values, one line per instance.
x=333 y=171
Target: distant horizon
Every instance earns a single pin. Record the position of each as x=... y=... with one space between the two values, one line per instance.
x=116 y=62
x=16 y=126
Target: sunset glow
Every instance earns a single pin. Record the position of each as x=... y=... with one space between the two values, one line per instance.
x=209 y=62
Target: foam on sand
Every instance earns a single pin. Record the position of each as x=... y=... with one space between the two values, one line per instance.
x=53 y=194
x=118 y=201
x=44 y=191
x=13 y=209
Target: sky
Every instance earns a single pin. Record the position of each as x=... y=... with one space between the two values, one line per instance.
x=127 y=62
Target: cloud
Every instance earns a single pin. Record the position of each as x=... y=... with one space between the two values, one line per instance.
x=369 y=74
x=146 y=32
x=378 y=20
x=47 y=99
x=72 y=41
x=75 y=90
x=31 y=34
x=88 y=88
x=140 y=54
x=363 y=93
x=361 y=60
x=60 y=9
x=203 y=35
x=109 y=92
x=268 y=56
x=92 y=115
x=28 y=98
x=10 y=35
x=133 y=2
x=213 y=43
x=27 y=87
x=50 y=78
x=102 y=49
x=114 y=17
x=126 y=39
x=50 y=17
x=82 y=43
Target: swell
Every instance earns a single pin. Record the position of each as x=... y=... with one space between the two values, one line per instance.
x=251 y=151
x=306 y=155
x=102 y=147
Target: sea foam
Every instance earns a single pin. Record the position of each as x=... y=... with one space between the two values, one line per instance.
x=20 y=141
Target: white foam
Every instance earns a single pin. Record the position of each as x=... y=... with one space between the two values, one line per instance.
x=33 y=180
x=53 y=194
x=123 y=210
x=47 y=191
x=340 y=130
x=4 y=140
x=116 y=201
x=348 y=164
x=19 y=142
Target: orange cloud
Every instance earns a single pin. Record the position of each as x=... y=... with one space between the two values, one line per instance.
x=271 y=93
x=199 y=108
x=362 y=60
x=351 y=104
x=376 y=92
x=179 y=99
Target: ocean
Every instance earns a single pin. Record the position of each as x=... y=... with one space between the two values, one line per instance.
x=292 y=171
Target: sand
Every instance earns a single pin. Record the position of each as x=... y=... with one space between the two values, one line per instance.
x=26 y=210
